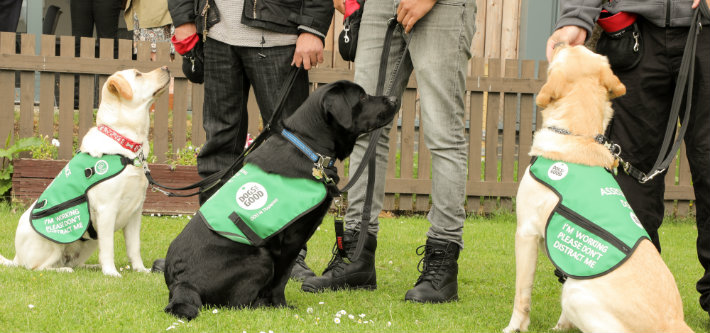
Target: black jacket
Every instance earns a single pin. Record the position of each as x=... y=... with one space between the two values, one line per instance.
x=285 y=16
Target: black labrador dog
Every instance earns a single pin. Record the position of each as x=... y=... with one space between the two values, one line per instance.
x=202 y=267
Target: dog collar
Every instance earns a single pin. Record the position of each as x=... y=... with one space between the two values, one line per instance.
x=122 y=140
x=321 y=162
x=614 y=148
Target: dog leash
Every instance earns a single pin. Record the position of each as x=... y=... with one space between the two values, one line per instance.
x=369 y=156
x=212 y=180
x=684 y=84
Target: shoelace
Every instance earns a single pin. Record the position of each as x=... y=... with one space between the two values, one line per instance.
x=431 y=264
x=336 y=261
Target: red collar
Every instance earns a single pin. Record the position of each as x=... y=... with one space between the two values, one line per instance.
x=122 y=140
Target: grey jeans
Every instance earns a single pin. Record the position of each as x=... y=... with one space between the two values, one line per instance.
x=438 y=54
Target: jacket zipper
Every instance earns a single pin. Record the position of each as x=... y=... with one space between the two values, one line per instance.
x=593 y=228
x=204 y=16
x=254 y=9
x=668 y=13
x=60 y=207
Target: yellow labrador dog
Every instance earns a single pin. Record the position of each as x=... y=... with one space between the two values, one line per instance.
x=638 y=293
x=120 y=135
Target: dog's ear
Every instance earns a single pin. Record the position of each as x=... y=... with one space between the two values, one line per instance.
x=551 y=90
x=119 y=86
x=339 y=102
x=612 y=83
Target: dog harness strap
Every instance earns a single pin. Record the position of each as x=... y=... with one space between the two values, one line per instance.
x=122 y=140
x=62 y=213
x=592 y=230
x=253 y=238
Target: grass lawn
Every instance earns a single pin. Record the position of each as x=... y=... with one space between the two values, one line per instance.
x=87 y=301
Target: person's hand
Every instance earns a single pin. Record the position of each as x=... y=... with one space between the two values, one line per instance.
x=309 y=51
x=697 y=2
x=339 y=6
x=570 y=34
x=410 y=11
x=185 y=30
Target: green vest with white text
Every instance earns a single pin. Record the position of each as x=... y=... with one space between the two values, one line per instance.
x=254 y=205
x=61 y=213
x=592 y=230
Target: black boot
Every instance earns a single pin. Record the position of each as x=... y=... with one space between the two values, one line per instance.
x=438 y=281
x=340 y=274
x=300 y=270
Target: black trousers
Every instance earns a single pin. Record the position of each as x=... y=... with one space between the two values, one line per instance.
x=230 y=71
x=10 y=14
x=85 y=14
x=639 y=125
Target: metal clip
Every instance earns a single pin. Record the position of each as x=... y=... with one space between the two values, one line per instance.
x=636 y=41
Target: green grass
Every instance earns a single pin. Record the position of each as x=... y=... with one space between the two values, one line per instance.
x=87 y=301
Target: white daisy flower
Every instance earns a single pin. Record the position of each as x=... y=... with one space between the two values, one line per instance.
x=336 y=320
x=55 y=142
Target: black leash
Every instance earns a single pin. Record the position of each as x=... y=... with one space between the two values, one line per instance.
x=369 y=156
x=215 y=178
x=684 y=84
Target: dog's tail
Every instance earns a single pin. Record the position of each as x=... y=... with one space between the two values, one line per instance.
x=185 y=302
x=7 y=262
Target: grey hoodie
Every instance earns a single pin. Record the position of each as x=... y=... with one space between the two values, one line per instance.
x=662 y=13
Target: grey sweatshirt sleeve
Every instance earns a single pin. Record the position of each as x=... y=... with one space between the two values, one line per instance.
x=581 y=13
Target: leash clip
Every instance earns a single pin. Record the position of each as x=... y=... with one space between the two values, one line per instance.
x=338 y=222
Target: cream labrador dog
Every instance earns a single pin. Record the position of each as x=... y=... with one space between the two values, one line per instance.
x=635 y=293
x=62 y=238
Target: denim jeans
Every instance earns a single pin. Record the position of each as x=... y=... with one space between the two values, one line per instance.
x=438 y=54
x=230 y=71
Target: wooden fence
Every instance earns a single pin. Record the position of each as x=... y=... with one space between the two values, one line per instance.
x=500 y=101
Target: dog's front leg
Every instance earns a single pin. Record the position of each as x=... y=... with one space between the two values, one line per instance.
x=526 y=245
x=133 y=243
x=105 y=230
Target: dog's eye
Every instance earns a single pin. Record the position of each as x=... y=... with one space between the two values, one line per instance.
x=363 y=97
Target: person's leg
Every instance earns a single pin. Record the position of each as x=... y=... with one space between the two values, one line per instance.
x=82 y=18
x=268 y=69
x=361 y=273
x=440 y=49
x=106 y=17
x=639 y=125
x=225 y=111
x=10 y=14
x=697 y=140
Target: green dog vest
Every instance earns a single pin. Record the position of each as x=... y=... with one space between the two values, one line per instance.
x=61 y=213
x=593 y=229
x=254 y=205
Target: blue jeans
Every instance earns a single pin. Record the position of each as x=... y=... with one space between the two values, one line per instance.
x=438 y=54
x=230 y=71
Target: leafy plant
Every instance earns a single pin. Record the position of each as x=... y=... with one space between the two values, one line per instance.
x=185 y=156
x=8 y=154
x=47 y=150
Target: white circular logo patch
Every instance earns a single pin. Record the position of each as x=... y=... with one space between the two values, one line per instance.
x=557 y=171
x=101 y=167
x=636 y=220
x=251 y=196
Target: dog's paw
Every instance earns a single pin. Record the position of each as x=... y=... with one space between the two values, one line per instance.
x=511 y=329
x=110 y=272
x=141 y=269
x=183 y=310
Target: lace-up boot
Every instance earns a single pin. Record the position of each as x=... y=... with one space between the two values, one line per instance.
x=343 y=274
x=300 y=270
x=438 y=281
